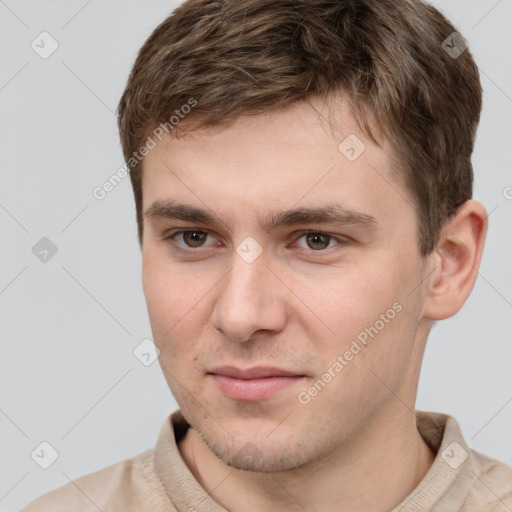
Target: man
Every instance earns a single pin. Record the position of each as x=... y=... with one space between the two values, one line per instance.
x=303 y=185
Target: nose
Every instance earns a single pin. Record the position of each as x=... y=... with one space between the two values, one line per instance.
x=250 y=299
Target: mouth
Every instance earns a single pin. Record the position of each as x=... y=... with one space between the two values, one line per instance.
x=253 y=384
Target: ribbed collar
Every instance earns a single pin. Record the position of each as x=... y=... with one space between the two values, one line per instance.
x=448 y=480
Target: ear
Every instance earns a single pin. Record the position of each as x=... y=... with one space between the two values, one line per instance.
x=455 y=261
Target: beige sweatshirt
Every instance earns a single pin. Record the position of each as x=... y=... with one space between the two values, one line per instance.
x=158 y=480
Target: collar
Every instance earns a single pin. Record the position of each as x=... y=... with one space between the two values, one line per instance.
x=449 y=479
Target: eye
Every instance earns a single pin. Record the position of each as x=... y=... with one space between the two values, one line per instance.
x=192 y=238
x=317 y=241
x=196 y=238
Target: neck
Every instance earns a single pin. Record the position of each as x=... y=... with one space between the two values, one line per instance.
x=373 y=471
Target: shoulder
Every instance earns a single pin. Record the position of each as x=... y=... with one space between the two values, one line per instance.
x=131 y=484
x=492 y=485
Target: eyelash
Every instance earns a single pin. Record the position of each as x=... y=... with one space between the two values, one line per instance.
x=179 y=247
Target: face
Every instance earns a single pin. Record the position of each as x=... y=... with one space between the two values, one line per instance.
x=281 y=276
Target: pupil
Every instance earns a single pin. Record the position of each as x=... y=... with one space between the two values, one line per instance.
x=317 y=238
x=195 y=237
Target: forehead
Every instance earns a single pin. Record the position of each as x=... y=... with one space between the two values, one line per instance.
x=295 y=129
x=274 y=161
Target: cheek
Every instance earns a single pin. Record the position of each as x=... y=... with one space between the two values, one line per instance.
x=176 y=307
x=348 y=299
x=165 y=298
x=366 y=312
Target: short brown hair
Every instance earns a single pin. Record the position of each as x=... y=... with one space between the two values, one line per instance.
x=386 y=57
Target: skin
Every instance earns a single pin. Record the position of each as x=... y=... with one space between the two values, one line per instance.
x=298 y=306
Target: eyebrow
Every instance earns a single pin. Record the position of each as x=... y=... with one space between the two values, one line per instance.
x=327 y=214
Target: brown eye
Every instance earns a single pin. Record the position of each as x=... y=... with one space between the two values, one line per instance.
x=194 y=238
x=317 y=241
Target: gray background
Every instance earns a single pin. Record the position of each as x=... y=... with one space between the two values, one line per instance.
x=70 y=325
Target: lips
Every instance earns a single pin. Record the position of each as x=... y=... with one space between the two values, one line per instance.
x=258 y=372
x=253 y=384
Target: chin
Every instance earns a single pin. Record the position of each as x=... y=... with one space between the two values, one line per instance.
x=251 y=459
x=261 y=456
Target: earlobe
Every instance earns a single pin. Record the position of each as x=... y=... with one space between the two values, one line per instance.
x=457 y=259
